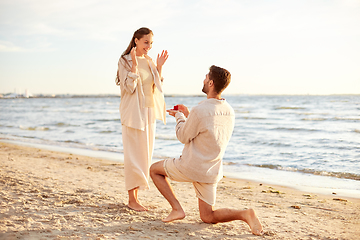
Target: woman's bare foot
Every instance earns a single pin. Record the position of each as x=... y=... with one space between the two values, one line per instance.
x=174 y=215
x=134 y=203
x=137 y=207
x=253 y=222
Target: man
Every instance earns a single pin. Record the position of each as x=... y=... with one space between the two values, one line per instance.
x=205 y=131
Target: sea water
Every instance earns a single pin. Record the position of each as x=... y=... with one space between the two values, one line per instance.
x=307 y=142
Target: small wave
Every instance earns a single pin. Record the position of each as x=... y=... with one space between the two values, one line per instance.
x=255 y=118
x=282 y=108
x=61 y=124
x=345 y=175
x=108 y=120
x=313 y=119
x=300 y=113
x=271 y=166
x=34 y=128
x=346 y=119
x=7 y=126
x=311 y=113
x=272 y=144
x=28 y=137
x=344 y=101
x=294 y=129
x=106 y=132
x=71 y=141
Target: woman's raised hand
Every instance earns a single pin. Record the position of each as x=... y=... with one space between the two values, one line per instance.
x=161 y=59
x=133 y=54
x=134 y=60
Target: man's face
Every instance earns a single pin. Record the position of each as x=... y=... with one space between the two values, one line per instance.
x=206 y=84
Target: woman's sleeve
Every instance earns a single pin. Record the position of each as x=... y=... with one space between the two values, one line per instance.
x=127 y=79
x=159 y=82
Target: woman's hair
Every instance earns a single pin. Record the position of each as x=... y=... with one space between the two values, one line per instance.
x=141 y=32
x=137 y=34
x=221 y=78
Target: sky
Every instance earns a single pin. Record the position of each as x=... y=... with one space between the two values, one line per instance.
x=269 y=47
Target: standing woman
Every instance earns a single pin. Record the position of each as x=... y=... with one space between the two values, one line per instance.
x=142 y=102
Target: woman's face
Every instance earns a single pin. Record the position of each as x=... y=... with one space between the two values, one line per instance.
x=144 y=44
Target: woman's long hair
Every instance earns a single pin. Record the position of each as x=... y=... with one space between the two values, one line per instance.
x=137 y=34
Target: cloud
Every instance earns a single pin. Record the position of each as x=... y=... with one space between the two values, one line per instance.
x=93 y=19
x=9 y=47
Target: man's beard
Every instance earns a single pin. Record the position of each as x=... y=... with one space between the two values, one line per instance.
x=204 y=90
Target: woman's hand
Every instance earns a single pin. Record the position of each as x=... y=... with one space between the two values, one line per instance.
x=134 y=60
x=161 y=59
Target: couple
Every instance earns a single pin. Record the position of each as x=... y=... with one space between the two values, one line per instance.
x=205 y=131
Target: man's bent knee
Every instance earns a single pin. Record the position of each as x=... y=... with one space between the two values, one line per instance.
x=157 y=169
x=207 y=217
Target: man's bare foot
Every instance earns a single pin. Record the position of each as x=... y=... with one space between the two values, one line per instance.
x=137 y=207
x=253 y=222
x=174 y=215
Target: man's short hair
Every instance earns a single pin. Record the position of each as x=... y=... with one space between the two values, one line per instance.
x=221 y=78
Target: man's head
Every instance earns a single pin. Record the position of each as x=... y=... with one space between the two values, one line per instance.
x=217 y=79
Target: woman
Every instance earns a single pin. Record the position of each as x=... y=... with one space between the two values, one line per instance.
x=142 y=102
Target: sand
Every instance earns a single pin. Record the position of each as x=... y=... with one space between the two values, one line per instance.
x=52 y=195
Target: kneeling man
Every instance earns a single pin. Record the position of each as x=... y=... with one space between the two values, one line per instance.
x=205 y=131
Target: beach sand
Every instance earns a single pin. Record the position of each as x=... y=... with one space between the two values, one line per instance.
x=52 y=195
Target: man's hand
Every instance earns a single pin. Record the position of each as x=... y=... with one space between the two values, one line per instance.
x=179 y=108
x=172 y=112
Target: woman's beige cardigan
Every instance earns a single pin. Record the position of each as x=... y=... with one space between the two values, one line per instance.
x=132 y=104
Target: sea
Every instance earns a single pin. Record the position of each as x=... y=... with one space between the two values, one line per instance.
x=310 y=143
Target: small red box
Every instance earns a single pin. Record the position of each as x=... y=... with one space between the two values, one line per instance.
x=176 y=107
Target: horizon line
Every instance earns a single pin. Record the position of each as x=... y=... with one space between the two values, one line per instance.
x=74 y=95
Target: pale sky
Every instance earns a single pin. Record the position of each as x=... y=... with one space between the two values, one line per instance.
x=270 y=47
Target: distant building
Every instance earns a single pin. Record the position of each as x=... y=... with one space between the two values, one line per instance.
x=11 y=95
